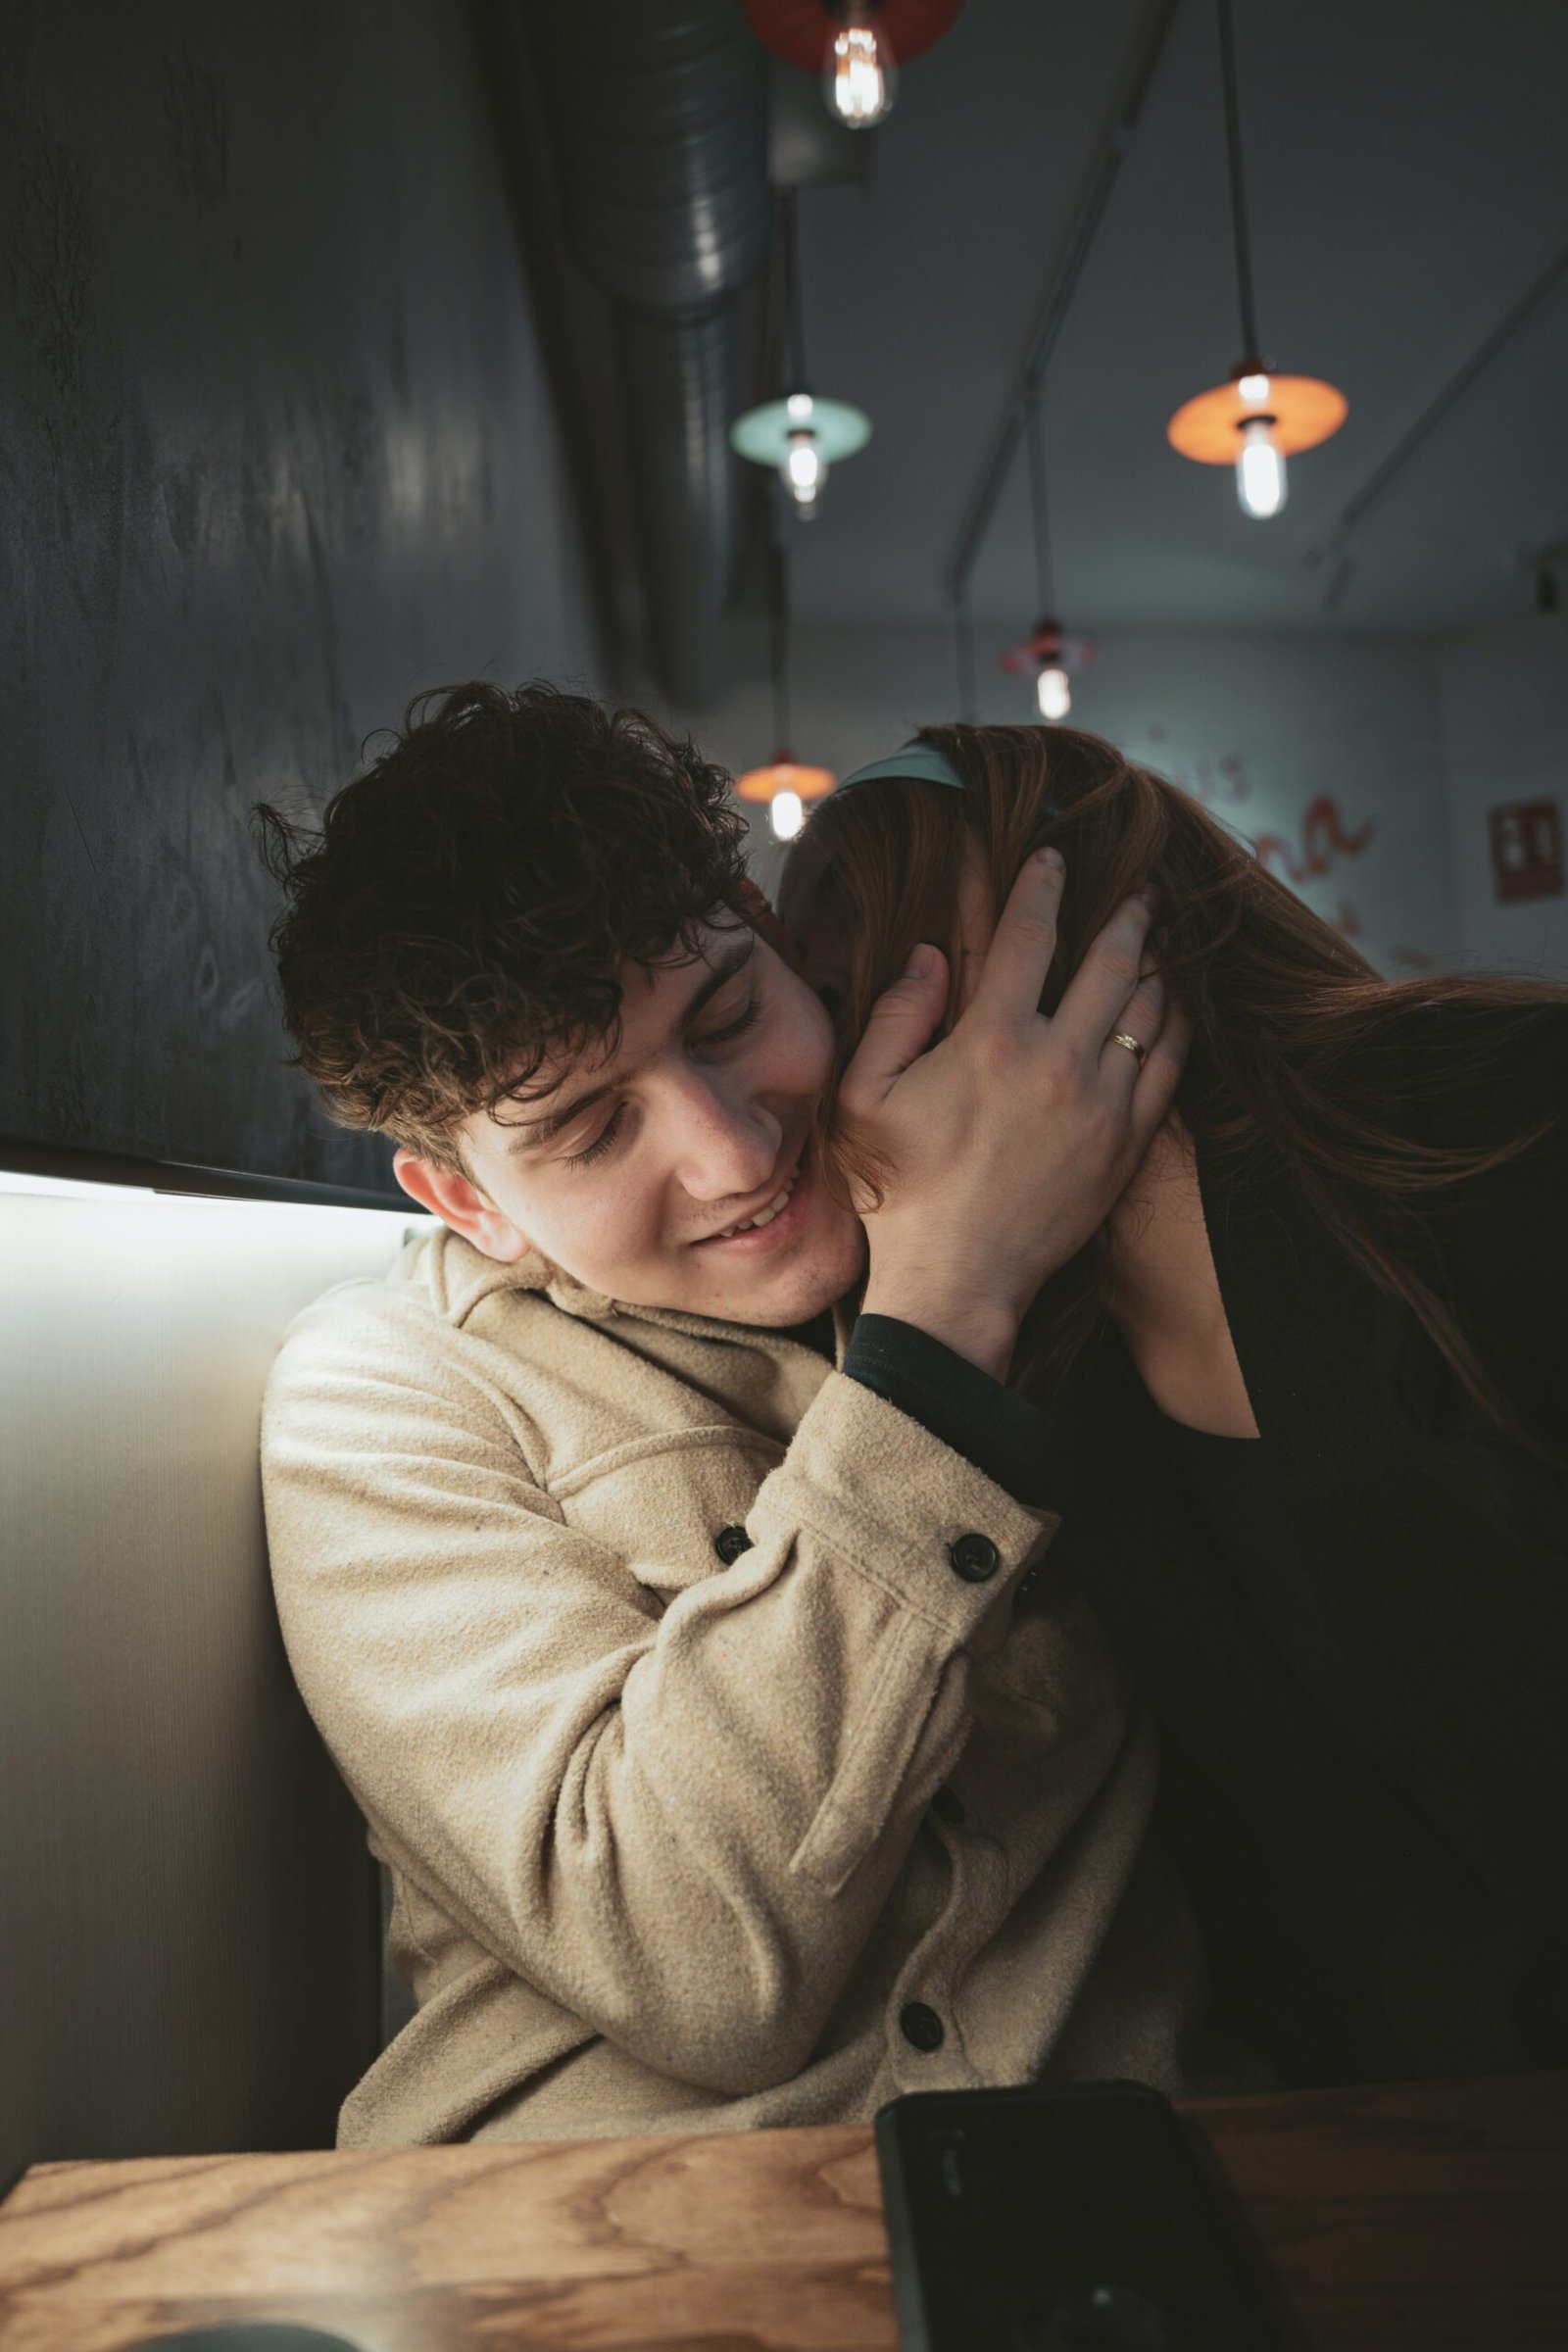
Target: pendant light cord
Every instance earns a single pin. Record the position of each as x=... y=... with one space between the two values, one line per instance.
x=1251 y=349
x=794 y=314
x=1035 y=430
x=775 y=334
x=789 y=351
x=779 y=634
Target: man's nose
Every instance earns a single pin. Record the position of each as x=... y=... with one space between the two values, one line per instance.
x=727 y=1142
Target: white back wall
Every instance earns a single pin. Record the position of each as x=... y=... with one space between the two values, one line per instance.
x=1325 y=752
x=1503 y=704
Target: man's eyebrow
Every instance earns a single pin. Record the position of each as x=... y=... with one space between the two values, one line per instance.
x=529 y=1134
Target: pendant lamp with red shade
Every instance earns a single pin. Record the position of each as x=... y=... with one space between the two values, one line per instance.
x=855 y=45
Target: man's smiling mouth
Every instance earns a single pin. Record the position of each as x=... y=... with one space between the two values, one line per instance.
x=763 y=1216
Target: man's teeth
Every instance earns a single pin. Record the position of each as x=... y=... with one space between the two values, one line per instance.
x=763 y=1216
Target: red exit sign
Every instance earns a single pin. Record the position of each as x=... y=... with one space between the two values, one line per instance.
x=1525 y=850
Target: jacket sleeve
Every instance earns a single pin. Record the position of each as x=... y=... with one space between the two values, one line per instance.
x=1000 y=1432
x=680 y=1827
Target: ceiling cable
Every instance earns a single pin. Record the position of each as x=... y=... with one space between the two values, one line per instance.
x=1356 y=509
x=1111 y=153
x=1432 y=416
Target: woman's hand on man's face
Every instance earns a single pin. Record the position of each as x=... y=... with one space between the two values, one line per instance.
x=1009 y=1144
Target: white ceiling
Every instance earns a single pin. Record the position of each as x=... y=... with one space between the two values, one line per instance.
x=1407 y=182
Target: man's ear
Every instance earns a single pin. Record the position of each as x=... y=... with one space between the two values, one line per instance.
x=461 y=1205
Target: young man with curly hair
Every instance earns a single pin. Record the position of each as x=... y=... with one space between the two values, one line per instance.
x=654 y=1545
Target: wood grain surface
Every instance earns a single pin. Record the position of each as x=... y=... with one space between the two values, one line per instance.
x=1432 y=2214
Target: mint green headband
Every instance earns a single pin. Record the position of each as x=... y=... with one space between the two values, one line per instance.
x=923 y=761
x=915 y=760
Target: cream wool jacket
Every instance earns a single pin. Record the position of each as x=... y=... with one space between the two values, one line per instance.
x=685 y=1836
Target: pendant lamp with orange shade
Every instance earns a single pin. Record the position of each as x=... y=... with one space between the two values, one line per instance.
x=1259 y=419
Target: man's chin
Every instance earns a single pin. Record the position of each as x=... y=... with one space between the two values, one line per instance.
x=796 y=1292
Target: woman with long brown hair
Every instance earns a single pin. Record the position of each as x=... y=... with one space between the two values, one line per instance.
x=1302 y=1401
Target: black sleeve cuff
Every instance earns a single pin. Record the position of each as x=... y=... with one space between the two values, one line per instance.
x=1000 y=1433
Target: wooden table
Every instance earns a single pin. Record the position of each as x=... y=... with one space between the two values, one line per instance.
x=1427 y=2214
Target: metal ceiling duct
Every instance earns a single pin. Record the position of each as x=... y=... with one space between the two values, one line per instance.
x=658 y=110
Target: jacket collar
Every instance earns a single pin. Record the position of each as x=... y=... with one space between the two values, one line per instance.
x=462 y=1276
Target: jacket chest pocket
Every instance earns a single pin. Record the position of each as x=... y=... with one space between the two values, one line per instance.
x=674 y=1506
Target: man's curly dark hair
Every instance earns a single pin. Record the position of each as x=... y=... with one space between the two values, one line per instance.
x=470 y=902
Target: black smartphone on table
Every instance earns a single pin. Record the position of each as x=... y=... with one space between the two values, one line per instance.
x=1084 y=2219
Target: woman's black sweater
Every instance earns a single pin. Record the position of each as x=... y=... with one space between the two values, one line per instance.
x=1354 y=1628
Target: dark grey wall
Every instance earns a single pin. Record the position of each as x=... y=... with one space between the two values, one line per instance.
x=277 y=452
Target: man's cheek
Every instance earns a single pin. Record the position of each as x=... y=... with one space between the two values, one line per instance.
x=621 y=1231
x=564 y=1237
x=809 y=1060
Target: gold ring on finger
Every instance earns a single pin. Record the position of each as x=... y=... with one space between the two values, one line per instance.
x=1119 y=1037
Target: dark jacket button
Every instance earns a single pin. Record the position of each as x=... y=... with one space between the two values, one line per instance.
x=921 y=2025
x=947 y=1806
x=730 y=1542
x=974 y=1558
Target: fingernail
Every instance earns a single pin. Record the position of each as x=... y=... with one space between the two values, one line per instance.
x=1054 y=858
x=916 y=963
x=1150 y=895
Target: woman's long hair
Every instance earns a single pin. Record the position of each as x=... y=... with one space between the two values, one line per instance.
x=1281 y=1008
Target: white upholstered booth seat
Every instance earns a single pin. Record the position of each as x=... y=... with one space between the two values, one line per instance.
x=190 y=1951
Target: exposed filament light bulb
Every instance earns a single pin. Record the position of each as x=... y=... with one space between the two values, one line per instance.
x=1259 y=469
x=1052 y=693
x=858 y=78
x=803 y=471
x=788 y=813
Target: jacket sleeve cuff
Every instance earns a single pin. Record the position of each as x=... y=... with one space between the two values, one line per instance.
x=883 y=1495
x=999 y=1432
